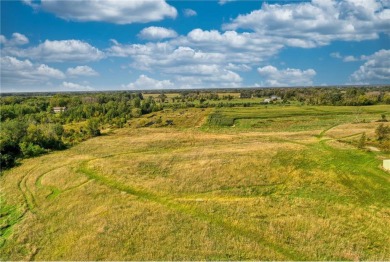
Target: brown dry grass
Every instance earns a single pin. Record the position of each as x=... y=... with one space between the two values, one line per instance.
x=188 y=194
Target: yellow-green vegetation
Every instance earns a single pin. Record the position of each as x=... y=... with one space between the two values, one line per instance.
x=259 y=183
x=177 y=118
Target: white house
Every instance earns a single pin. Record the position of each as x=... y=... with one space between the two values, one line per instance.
x=386 y=164
x=59 y=109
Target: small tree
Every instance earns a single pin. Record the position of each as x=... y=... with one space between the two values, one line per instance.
x=382 y=132
x=162 y=97
x=31 y=150
x=93 y=127
x=362 y=141
x=358 y=114
x=9 y=151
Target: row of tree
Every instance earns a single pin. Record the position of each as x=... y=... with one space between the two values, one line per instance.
x=349 y=96
x=22 y=139
x=30 y=127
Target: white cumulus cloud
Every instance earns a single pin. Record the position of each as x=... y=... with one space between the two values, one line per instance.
x=262 y=34
x=3 y=39
x=189 y=12
x=15 y=72
x=144 y=82
x=15 y=40
x=157 y=33
x=236 y=47
x=317 y=23
x=81 y=71
x=183 y=64
x=117 y=12
x=238 y=67
x=222 y=2
x=350 y=58
x=58 y=51
x=336 y=55
x=376 y=70
x=75 y=87
x=287 y=77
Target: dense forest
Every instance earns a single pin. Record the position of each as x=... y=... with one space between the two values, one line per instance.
x=30 y=126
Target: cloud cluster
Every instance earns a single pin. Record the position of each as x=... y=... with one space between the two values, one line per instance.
x=157 y=33
x=189 y=12
x=348 y=58
x=269 y=30
x=317 y=23
x=75 y=87
x=222 y=2
x=144 y=82
x=208 y=58
x=117 y=12
x=287 y=77
x=16 y=40
x=81 y=71
x=376 y=70
x=58 y=51
x=15 y=71
x=182 y=64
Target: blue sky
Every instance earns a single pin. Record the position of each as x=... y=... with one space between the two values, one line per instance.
x=76 y=45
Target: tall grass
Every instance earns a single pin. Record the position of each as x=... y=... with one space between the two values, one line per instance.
x=210 y=193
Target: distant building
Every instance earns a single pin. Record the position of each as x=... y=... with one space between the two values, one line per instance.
x=59 y=109
x=386 y=164
x=267 y=100
x=273 y=98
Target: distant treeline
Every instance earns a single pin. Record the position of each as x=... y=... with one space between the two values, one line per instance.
x=346 y=96
x=30 y=126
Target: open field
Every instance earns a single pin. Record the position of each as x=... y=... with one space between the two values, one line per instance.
x=259 y=183
x=297 y=117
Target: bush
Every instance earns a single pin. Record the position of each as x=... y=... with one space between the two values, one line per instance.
x=136 y=112
x=9 y=151
x=31 y=150
x=382 y=132
x=93 y=127
x=362 y=141
x=6 y=161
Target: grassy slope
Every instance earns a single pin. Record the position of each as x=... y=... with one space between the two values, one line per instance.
x=211 y=193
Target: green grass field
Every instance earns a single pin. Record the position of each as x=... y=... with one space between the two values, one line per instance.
x=257 y=183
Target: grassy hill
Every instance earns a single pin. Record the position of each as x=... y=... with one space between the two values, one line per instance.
x=264 y=183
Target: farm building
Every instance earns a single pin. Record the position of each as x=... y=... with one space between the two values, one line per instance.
x=386 y=164
x=59 y=109
x=271 y=99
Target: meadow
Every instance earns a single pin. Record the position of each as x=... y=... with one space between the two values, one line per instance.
x=245 y=183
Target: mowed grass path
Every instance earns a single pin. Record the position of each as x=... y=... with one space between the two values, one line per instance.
x=203 y=194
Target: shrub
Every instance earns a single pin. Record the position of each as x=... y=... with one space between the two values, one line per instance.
x=31 y=150
x=382 y=132
x=362 y=141
x=93 y=127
